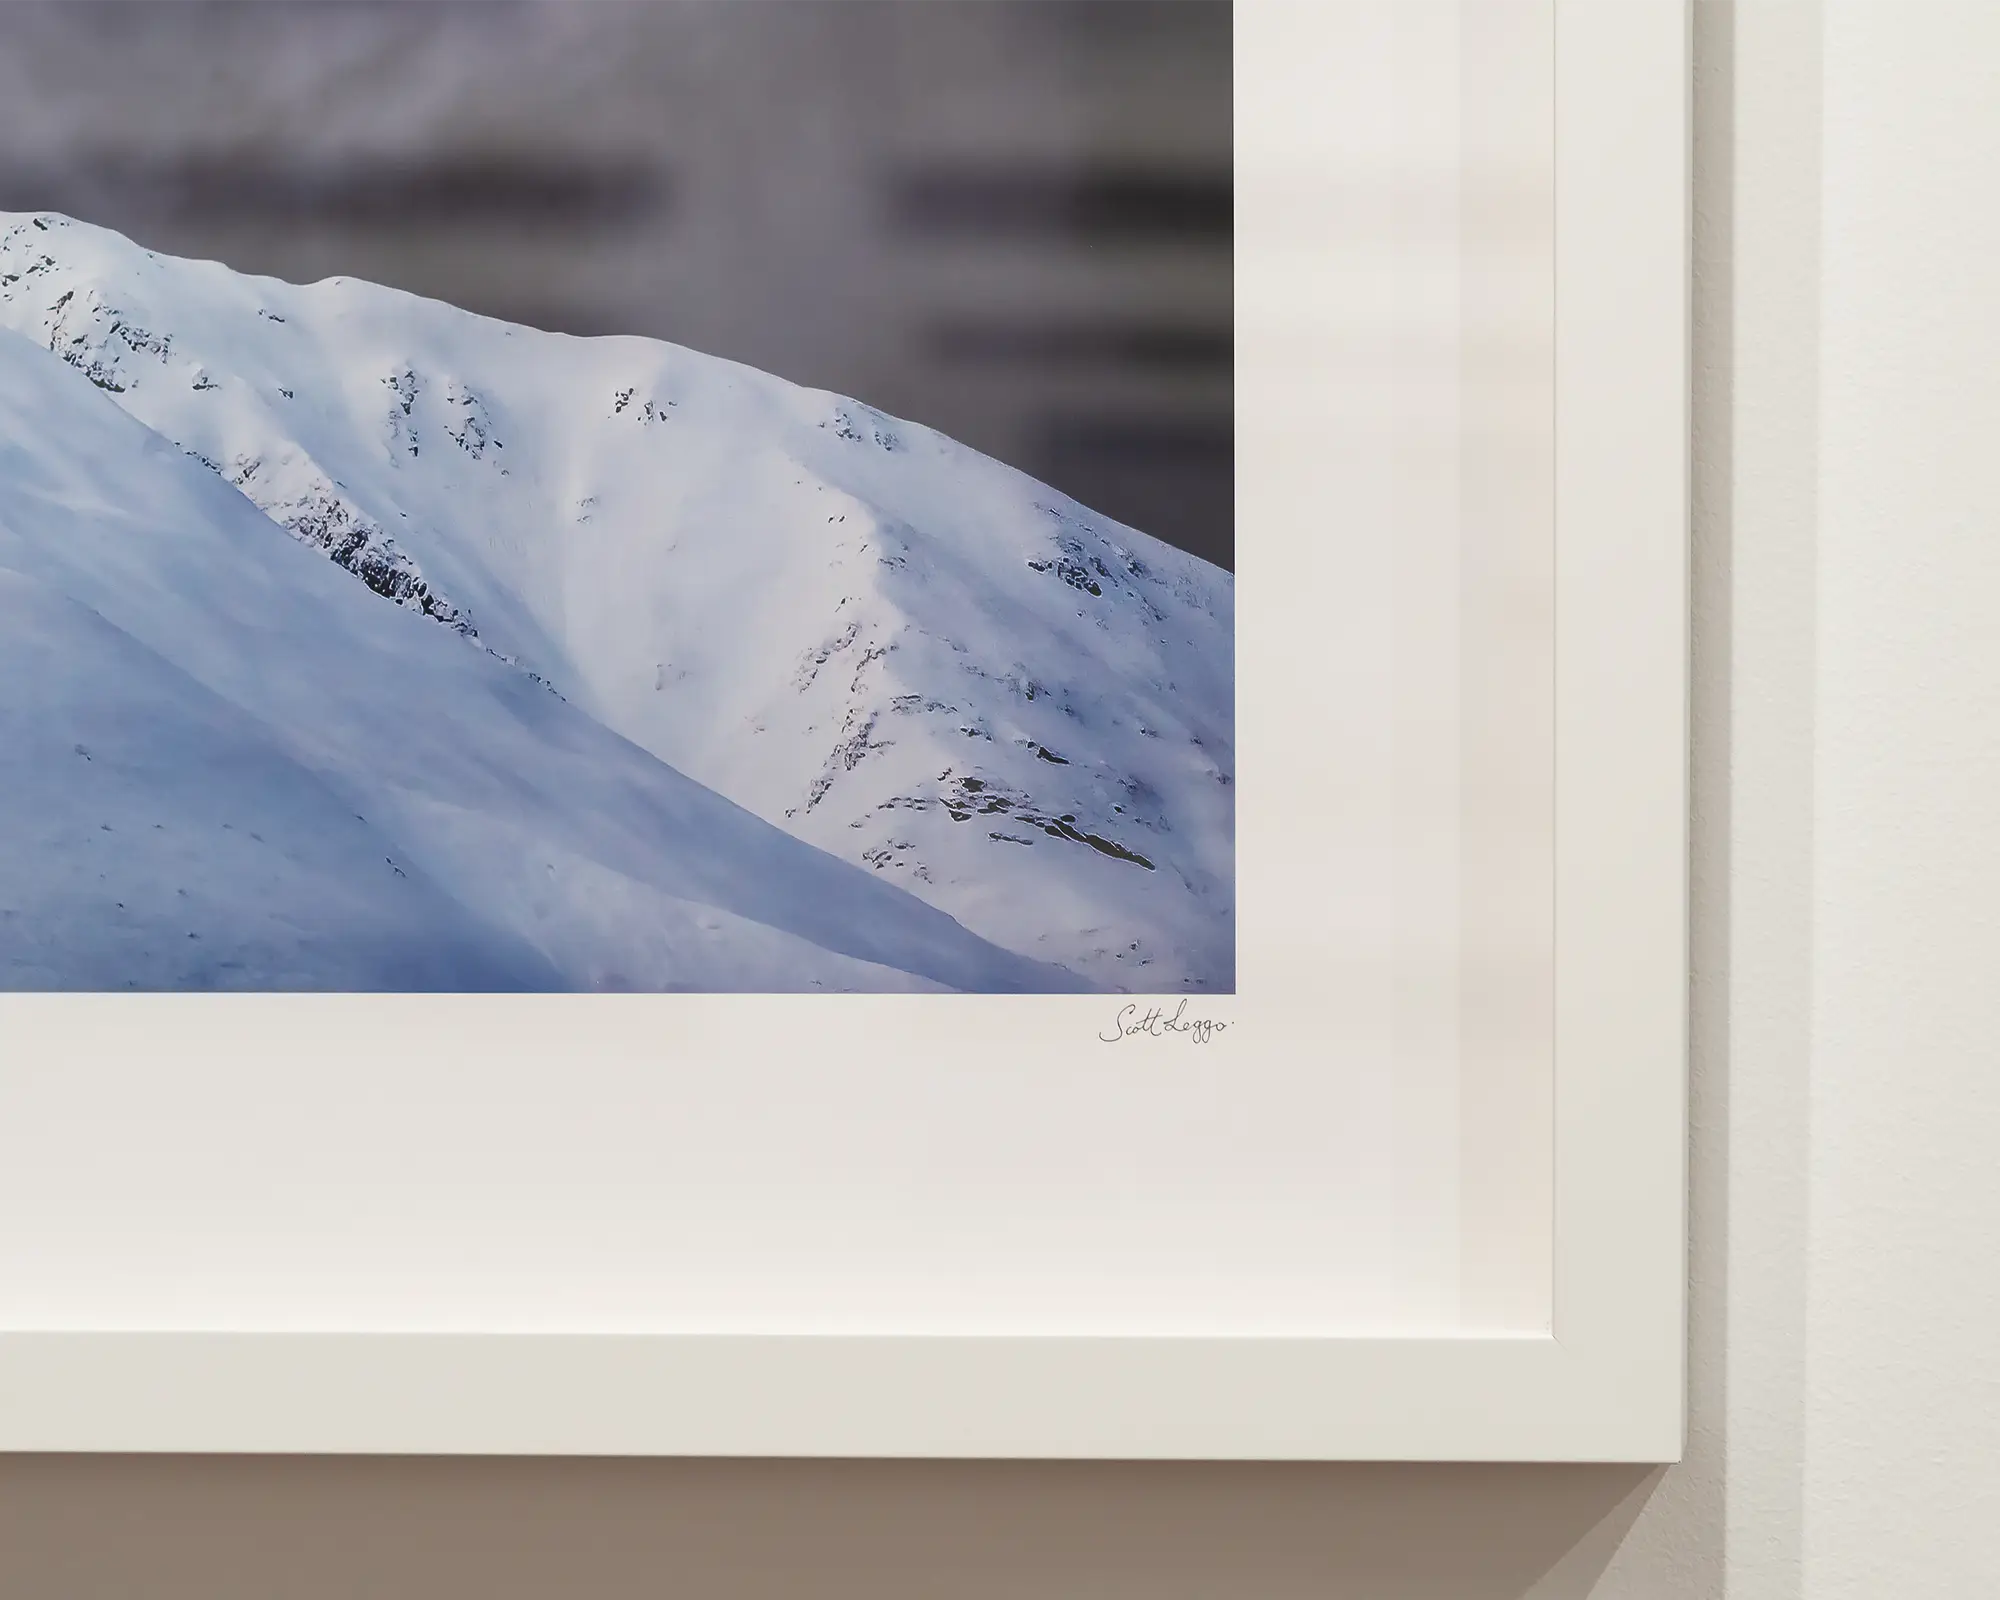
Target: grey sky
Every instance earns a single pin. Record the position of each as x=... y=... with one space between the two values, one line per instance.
x=1005 y=218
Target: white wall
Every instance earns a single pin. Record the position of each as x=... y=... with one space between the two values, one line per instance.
x=1847 y=1343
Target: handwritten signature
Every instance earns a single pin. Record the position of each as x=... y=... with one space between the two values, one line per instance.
x=1158 y=1023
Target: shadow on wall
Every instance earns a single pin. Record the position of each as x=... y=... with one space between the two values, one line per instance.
x=220 y=1528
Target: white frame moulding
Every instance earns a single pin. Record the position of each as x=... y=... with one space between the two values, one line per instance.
x=1604 y=1384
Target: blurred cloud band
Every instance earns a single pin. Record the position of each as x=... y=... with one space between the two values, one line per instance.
x=364 y=193
x=1163 y=206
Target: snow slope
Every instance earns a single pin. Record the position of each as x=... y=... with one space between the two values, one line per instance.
x=224 y=763
x=874 y=638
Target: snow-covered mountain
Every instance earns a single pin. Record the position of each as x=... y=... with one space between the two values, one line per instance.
x=225 y=763
x=876 y=640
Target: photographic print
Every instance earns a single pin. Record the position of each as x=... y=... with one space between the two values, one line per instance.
x=675 y=497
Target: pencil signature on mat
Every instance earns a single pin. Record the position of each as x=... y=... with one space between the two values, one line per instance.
x=1158 y=1023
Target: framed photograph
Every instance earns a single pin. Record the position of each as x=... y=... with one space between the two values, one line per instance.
x=963 y=734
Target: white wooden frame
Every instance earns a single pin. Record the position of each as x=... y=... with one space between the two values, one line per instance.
x=1605 y=1384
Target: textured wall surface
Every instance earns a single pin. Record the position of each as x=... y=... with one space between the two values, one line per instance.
x=1846 y=1338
